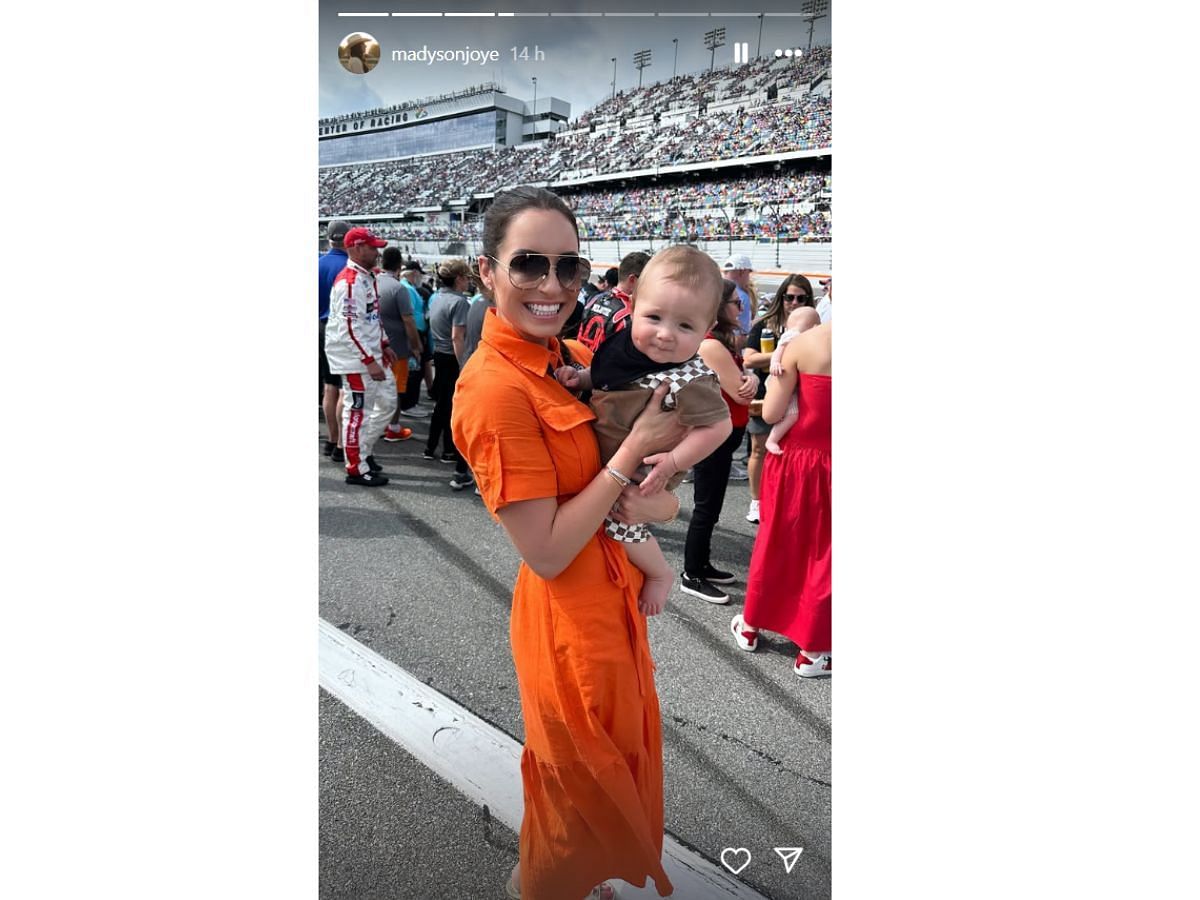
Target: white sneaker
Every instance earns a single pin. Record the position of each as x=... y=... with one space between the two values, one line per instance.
x=808 y=667
x=747 y=638
x=752 y=513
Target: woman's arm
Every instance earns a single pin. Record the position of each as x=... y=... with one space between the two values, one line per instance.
x=755 y=359
x=732 y=380
x=549 y=535
x=752 y=355
x=458 y=340
x=781 y=388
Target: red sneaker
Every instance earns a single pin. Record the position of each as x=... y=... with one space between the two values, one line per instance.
x=403 y=434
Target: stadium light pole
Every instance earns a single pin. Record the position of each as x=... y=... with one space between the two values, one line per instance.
x=758 y=52
x=810 y=12
x=675 y=65
x=535 y=98
x=614 y=84
x=641 y=59
x=712 y=40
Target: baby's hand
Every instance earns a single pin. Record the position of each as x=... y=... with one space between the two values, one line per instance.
x=568 y=377
x=664 y=468
x=649 y=607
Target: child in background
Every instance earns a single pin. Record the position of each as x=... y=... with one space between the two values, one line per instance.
x=674 y=304
x=801 y=319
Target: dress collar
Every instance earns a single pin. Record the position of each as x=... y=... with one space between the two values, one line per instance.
x=502 y=337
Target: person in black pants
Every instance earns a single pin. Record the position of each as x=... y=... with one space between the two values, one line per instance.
x=448 y=330
x=711 y=475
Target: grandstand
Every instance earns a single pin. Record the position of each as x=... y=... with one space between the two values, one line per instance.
x=734 y=160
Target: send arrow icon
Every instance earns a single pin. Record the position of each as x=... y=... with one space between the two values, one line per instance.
x=789 y=855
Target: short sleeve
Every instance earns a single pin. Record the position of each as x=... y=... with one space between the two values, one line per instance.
x=403 y=303
x=497 y=430
x=458 y=316
x=699 y=402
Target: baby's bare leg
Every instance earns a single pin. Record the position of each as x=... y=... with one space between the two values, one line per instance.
x=648 y=557
x=780 y=428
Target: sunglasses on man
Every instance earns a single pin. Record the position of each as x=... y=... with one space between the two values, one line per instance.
x=527 y=271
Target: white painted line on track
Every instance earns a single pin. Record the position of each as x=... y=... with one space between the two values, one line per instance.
x=478 y=759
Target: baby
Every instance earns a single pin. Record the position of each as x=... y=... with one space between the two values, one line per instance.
x=675 y=303
x=801 y=319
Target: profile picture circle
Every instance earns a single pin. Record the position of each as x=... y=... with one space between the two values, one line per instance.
x=358 y=53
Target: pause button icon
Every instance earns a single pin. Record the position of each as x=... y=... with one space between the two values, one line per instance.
x=741 y=52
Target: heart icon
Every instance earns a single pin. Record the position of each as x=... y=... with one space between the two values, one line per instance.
x=736 y=853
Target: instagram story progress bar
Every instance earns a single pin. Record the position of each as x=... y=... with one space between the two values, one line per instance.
x=745 y=56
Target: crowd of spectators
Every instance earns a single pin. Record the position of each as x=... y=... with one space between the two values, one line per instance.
x=691 y=90
x=692 y=134
x=703 y=194
x=806 y=227
x=762 y=207
x=431 y=180
x=430 y=231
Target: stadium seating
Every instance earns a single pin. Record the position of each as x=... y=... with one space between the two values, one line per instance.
x=764 y=108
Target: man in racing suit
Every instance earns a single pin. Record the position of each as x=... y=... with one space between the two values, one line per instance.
x=358 y=350
x=607 y=312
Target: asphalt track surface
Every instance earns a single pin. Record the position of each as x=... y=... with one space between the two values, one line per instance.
x=423 y=576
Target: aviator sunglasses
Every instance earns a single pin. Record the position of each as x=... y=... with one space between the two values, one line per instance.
x=527 y=271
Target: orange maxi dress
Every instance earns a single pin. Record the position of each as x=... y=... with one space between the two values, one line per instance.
x=592 y=765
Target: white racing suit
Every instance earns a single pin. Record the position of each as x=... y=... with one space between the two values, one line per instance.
x=354 y=338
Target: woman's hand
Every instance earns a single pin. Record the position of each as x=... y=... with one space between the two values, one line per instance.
x=631 y=507
x=748 y=388
x=654 y=427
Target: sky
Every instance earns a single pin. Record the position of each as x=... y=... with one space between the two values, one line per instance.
x=576 y=66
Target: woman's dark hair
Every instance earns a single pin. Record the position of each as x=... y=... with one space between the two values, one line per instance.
x=509 y=204
x=725 y=330
x=776 y=316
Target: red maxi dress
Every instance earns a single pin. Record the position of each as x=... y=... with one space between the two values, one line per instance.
x=790 y=586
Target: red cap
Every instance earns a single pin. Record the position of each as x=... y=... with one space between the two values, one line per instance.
x=356 y=236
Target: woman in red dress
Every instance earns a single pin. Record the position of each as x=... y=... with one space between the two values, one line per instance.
x=789 y=589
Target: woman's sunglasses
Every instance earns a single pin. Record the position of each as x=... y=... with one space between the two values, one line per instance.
x=527 y=271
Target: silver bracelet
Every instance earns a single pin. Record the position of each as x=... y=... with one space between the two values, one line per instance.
x=618 y=477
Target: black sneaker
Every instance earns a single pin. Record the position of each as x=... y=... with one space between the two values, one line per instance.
x=448 y=458
x=705 y=590
x=458 y=482
x=371 y=479
x=372 y=465
x=329 y=447
x=337 y=455
x=429 y=454
x=716 y=576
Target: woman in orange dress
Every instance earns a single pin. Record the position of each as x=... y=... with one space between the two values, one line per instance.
x=592 y=763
